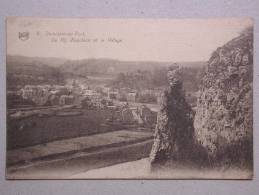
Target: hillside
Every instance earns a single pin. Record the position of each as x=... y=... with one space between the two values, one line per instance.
x=23 y=70
x=16 y=59
x=111 y=66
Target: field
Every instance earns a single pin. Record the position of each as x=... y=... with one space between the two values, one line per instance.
x=42 y=129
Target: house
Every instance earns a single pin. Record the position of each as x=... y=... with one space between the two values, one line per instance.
x=131 y=97
x=38 y=94
x=113 y=94
x=66 y=100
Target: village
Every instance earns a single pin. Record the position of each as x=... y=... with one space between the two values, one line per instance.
x=89 y=110
x=46 y=122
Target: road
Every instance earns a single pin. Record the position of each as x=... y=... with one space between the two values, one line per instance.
x=42 y=163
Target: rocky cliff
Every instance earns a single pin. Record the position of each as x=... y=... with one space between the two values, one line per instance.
x=224 y=116
x=173 y=139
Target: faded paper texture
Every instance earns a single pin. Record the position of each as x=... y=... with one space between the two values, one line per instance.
x=129 y=98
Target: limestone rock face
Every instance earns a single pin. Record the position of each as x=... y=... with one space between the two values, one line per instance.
x=174 y=129
x=224 y=116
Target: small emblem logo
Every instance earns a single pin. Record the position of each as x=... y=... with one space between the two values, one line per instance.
x=24 y=36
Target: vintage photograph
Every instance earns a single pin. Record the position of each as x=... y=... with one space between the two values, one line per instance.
x=129 y=98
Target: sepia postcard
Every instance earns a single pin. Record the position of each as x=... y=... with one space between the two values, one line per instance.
x=129 y=98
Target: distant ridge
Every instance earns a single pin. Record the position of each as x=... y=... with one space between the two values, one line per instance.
x=88 y=66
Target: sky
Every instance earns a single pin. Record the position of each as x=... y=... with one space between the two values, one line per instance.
x=123 y=39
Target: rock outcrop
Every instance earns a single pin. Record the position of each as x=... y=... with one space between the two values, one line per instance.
x=174 y=130
x=224 y=116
